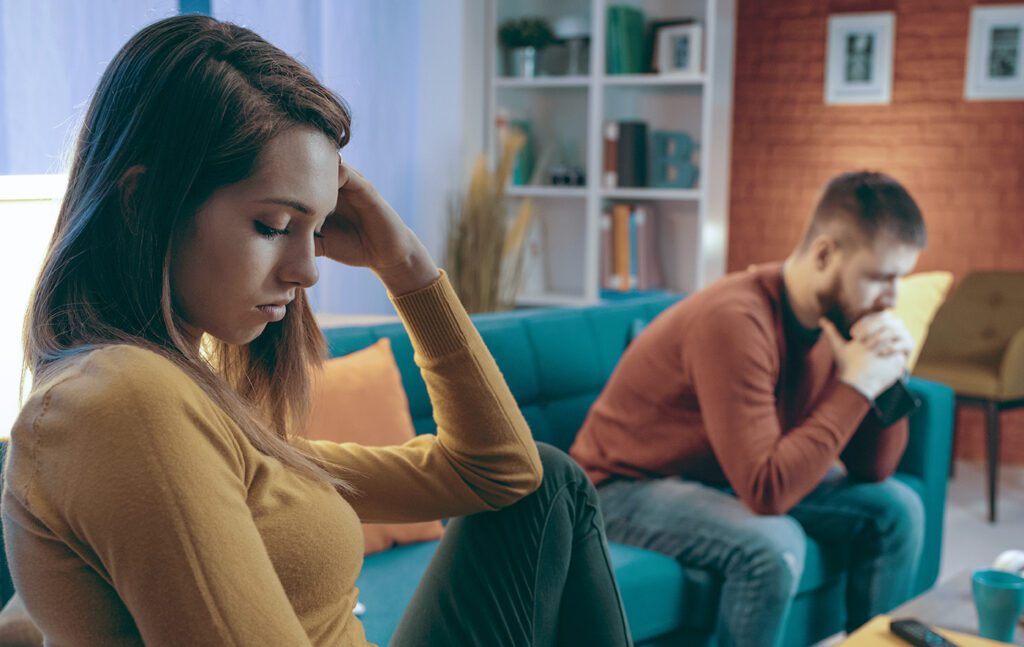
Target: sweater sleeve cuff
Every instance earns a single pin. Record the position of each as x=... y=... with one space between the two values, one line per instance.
x=434 y=317
x=844 y=406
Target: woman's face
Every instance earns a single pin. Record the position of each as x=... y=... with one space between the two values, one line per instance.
x=251 y=246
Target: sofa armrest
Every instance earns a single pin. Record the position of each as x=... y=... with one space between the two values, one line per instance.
x=927 y=457
x=1011 y=369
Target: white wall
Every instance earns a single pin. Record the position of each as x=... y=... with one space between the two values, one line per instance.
x=28 y=206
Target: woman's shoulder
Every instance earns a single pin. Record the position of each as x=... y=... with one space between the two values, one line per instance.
x=113 y=419
x=102 y=392
x=113 y=370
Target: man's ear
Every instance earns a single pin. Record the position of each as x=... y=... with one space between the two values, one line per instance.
x=823 y=250
x=127 y=185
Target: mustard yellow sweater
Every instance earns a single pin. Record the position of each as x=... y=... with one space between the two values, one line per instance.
x=136 y=511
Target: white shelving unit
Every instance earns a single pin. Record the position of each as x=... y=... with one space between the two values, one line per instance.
x=567 y=114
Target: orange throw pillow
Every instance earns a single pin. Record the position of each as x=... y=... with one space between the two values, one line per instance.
x=360 y=399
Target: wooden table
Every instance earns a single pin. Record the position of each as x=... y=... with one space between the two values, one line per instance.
x=876 y=634
x=949 y=605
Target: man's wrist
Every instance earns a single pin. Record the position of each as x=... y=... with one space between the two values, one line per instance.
x=859 y=389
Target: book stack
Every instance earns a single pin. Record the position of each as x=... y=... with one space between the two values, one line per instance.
x=625 y=40
x=629 y=249
x=625 y=154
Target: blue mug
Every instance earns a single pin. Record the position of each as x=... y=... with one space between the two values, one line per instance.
x=999 y=598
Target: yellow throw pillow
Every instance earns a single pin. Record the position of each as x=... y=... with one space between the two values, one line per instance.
x=918 y=298
x=360 y=399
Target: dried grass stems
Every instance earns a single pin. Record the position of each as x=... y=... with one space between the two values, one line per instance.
x=483 y=251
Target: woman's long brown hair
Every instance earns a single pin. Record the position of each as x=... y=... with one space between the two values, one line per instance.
x=192 y=101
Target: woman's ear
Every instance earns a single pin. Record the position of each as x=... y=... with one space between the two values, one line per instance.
x=127 y=185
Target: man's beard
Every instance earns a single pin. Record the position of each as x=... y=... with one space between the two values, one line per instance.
x=831 y=304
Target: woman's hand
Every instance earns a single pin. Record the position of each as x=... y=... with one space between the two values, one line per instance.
x=366 y=231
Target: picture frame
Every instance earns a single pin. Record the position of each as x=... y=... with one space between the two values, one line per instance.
x=680 y=49
x=858 y=61
x=995 y=54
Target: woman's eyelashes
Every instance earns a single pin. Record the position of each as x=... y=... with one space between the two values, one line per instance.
x=270 y=232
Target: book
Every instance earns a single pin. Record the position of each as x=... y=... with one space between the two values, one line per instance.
x=624 y=33
x=606 y=251
x=634 y=249
x=613 y=46
x=631 y=154
x=610 y=176
x=620 y=250
x=649 y=274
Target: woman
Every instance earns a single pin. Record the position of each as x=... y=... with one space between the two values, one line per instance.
x=158 y=489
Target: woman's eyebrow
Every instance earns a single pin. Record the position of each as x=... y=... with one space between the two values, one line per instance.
x=294 y=204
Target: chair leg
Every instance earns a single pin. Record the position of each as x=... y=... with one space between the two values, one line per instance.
x=992 y=438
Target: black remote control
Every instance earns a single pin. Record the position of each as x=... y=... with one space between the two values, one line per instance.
x=918 y=634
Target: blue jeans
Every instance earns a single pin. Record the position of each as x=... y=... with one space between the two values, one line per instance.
x=761 y=558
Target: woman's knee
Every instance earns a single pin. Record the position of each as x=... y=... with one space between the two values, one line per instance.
x=559 y=467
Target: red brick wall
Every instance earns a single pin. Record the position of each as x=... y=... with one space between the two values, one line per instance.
x=963 y=161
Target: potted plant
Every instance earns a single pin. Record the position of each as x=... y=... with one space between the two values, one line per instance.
x=523 y=39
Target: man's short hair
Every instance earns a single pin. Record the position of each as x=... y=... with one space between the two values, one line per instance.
x=869 y=203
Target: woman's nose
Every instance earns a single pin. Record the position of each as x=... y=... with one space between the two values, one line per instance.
x=300 y=267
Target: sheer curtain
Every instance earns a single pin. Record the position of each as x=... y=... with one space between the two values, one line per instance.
x=399 y=66
x=52 y=53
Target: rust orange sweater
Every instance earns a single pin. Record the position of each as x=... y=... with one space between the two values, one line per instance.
x=727 y=386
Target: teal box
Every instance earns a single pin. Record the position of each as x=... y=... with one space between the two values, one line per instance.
x=671 y=160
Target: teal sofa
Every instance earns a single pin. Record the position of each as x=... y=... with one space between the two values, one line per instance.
x=556 y=362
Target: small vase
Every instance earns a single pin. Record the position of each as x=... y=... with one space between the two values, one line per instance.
x=521 y=61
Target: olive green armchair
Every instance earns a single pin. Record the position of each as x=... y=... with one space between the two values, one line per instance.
x=976 y=346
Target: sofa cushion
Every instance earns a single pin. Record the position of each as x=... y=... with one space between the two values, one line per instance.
x=652 y=587
x=653 y=590
x=570 y=365
x=359 y=398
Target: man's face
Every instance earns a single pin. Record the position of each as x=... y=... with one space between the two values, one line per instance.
x=251 y=246
x=861 y=279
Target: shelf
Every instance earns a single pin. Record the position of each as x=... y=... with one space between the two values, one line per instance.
x=543 y=82
x=567 y=116
x=643 y=193
x=659 y=80
x=550 y=299
x=544 y=191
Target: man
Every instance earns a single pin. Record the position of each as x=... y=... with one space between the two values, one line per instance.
x=717 y=438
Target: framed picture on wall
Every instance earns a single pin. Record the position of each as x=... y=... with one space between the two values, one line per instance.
x=858 y=61
x=995 y=53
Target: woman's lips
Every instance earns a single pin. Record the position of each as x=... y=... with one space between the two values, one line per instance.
x=273 y=312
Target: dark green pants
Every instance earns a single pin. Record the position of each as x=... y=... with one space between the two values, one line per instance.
x=534 y=574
